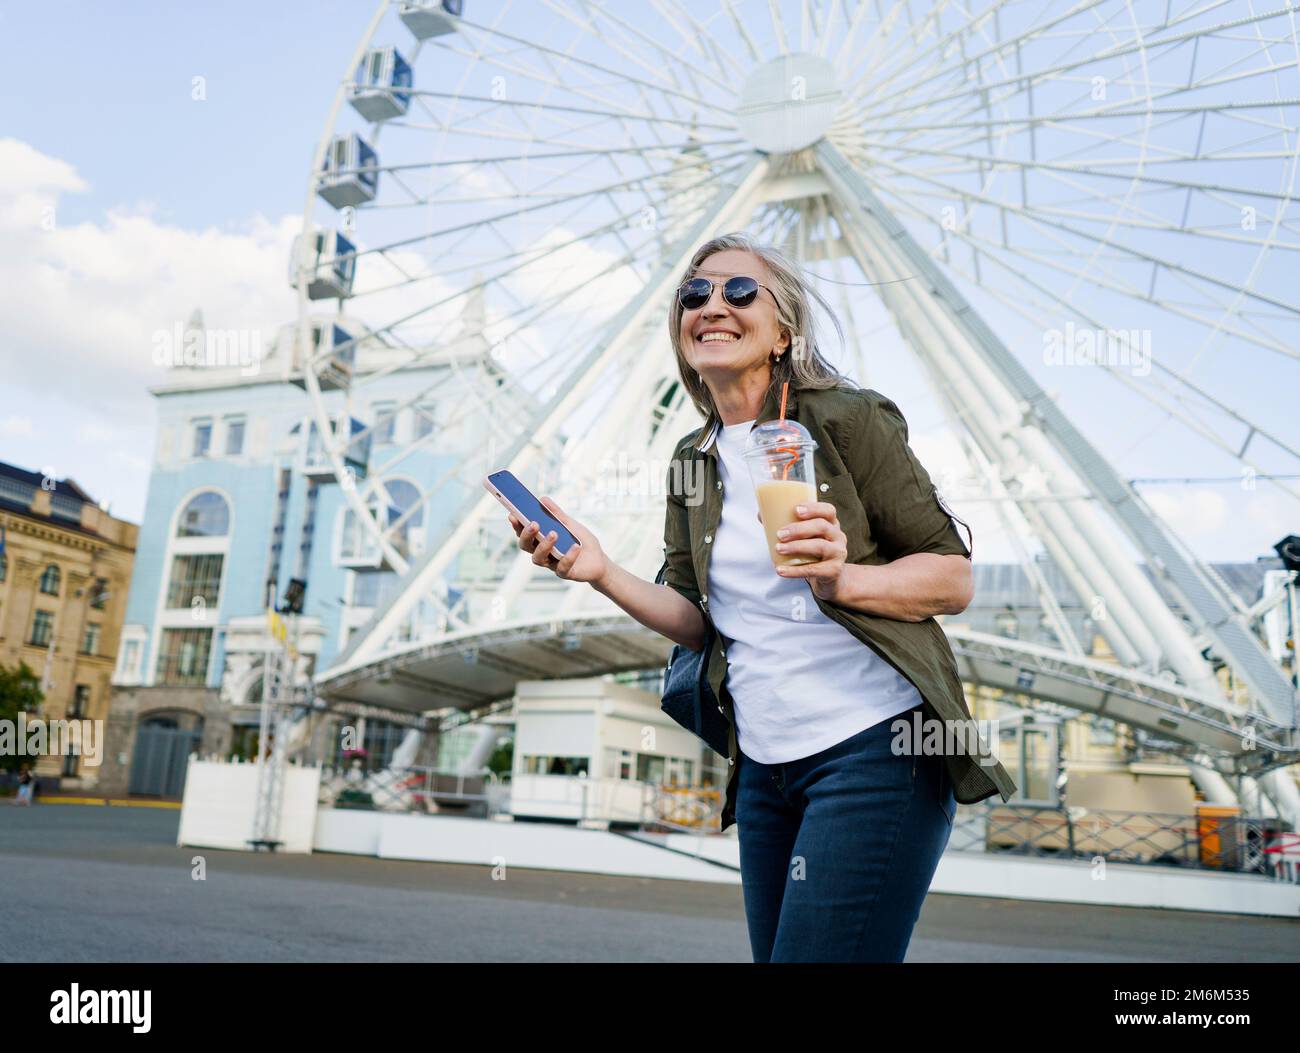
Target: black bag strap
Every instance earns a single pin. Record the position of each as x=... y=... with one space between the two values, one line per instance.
x=970 y=537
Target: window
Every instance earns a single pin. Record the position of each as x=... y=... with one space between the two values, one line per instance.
x=99 y=594
x=385 y=416
x=234 y=436
x=42 y=628
x=202 y=438
x=90 y=643
x=381 y=739
x=1029 y=754
x=4 y=566
x=356 y=542
x=618 y=764
x=184 y=656
x=80 y=707
x=243 y=742
x=195 y=578
x=541 y=765
x=207 y=515
x=371 y=589
x=131 y=658
x=50 y=580
x=423 y=421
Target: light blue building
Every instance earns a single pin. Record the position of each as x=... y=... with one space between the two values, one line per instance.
x=240 y=502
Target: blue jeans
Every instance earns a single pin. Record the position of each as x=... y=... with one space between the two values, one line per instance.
x=837 y=850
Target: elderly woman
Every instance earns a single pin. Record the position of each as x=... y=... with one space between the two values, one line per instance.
x=841 y=822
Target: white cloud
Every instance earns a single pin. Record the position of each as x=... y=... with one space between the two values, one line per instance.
x=80 y=302
x=17 y=426
x=1194 y=512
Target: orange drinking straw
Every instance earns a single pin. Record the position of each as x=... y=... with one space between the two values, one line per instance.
x=791 y=450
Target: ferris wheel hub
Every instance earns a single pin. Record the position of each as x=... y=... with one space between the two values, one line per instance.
x=789 y=103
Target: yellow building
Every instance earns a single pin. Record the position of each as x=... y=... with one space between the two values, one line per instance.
x=64 y=576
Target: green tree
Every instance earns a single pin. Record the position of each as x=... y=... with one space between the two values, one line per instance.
x=503 y=757
x=20 y=690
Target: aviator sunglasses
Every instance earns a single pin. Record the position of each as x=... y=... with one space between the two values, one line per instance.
x=739 y=291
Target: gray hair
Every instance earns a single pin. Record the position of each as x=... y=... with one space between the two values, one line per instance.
x=804 y=366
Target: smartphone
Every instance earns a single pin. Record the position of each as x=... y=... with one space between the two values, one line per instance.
x=519 y=499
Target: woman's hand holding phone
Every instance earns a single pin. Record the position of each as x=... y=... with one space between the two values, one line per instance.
x=585 y=561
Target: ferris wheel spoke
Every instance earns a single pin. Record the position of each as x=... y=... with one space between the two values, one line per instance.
x=672 y=58
x=582 y=238
x=1033 y=289
x=1193 y=420
x=591 y=93
x=905 y=65
x=562 y=108
x=1114 y=109
x=1153 y=221
x=846 y=47
x=1014 y=84
x=568 y=57
x=524 y=210
x=1098 y=168
x=630 y=54
x=438 y=194
x=994 y=252
x=693 y=33
x=909 y=52
x=925 y=88
x=1058 y=119
x=1167 y=265
x=742 y=31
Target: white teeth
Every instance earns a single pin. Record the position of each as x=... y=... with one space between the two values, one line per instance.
x=716 y=338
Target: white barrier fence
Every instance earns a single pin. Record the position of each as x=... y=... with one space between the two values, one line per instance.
x=220 y=801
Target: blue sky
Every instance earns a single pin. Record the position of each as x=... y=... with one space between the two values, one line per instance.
x=171 y=203
x=108 y=88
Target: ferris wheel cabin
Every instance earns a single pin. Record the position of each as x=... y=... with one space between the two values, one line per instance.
x=316 y=466
x=431 y=19
x=380 y=78
x=350 y=174
x=333 y=349
x=331 y=264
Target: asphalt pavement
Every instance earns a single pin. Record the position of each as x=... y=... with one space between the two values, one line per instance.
x=107 y=884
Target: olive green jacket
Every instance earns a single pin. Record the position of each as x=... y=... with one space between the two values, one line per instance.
x=887 y=507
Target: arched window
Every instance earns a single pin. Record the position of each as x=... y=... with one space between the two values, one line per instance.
x=206 y=515
x=50 y=580
x=402 y=495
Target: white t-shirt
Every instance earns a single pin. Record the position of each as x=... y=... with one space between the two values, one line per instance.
x=801 y=682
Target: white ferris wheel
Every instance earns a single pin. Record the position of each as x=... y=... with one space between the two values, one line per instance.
x=534 y=176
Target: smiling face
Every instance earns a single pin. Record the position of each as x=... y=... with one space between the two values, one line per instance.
x=721 y=341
